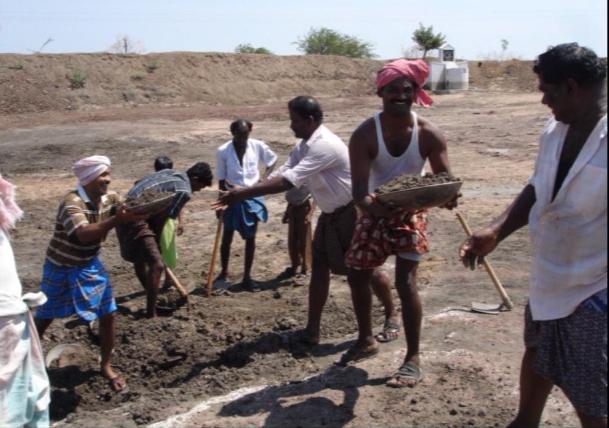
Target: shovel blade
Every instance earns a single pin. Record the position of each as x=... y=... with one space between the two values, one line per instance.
x=485 y=308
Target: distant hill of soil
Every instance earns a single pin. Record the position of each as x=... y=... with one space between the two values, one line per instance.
x=49 y=82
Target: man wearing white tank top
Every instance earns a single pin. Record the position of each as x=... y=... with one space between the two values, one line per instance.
x=394 y=142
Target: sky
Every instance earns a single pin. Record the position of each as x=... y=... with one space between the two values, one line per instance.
x=475 y=28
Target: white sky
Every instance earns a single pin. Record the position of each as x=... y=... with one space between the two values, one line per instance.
x=474 y=28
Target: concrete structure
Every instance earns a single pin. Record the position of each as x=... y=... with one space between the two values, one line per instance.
x=446 y=73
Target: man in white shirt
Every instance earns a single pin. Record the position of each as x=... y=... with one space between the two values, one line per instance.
x=237 y=166
x=565 y=206
x=321 y=162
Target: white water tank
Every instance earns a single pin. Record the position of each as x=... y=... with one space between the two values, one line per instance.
x=444 y=75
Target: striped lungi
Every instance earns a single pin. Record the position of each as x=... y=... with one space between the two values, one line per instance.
x=83 y=290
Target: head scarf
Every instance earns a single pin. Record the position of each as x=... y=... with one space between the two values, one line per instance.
x=9 y=210
x=416 y=70
x=88 y=169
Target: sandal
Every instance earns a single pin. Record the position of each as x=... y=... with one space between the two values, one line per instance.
x=391 y=331
x=357 y=353
x=409 y=374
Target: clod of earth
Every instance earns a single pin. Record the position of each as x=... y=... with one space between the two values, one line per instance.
x=406 y=182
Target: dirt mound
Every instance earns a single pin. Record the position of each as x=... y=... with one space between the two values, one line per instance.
x=37 y=83
x=33 y=83
x=511 y=75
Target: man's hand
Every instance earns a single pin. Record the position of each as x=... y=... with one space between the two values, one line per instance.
x=453 y=203
x=123 y=215
x=180 y=230
x=374 y=207
x=477 y=246
x=225 y=198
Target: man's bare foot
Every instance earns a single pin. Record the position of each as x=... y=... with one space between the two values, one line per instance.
x=116 y=381
x=358 y=352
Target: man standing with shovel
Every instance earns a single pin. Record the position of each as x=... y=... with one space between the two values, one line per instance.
x=394 y=142
x=565 y=207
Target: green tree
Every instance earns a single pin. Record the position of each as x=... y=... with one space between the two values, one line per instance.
x=324 y=41
x=426 y=40
x=248 y=48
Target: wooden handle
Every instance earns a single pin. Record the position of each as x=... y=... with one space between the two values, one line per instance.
x=504 y=297
x=308 y=261
x=176 y=283
x=214 y=256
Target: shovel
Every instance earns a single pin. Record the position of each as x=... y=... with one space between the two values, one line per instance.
x=214 y=256
x=506 y=303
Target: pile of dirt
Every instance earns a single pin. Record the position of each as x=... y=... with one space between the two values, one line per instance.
x=511 y=76
x=149 y=201
x=406 y=182
x=33 y=83
x=60 y=82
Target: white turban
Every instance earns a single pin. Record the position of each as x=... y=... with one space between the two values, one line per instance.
x=88 y=169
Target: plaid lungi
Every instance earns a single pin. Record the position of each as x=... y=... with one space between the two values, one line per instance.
x=83 y=290
x=375 y=239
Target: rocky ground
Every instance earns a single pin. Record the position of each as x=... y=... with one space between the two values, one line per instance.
x=229 y=360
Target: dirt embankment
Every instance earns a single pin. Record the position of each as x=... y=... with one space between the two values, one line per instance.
x=38 y=83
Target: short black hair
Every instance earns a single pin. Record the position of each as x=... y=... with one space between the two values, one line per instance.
x=236 y=124
x=305 y=106
x=570 y=61
x=163 y=162
x=201 y=171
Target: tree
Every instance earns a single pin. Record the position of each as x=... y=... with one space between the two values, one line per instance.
x=426 y=40
x=248 y=48
x=504 y=46
x=325 y=41
x=125 y=45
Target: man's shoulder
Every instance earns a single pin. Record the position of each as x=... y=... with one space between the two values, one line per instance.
x=72 y=198
x=224 y=147
x=365 y=130
x=325 y=134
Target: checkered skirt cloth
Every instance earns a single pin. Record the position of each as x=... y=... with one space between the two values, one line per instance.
x=83 y=290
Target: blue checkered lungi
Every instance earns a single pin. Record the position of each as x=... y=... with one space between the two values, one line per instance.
x=83 y=290
x=244 y=216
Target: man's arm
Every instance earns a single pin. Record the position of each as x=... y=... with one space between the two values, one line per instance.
x=94 y=232
x=513 y=218
x=267 y=187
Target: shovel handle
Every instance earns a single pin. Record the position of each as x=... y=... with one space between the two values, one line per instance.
x=176 y=282
x=489 y=269
x=214 y=256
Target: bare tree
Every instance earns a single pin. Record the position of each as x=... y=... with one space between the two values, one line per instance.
x=125 y=45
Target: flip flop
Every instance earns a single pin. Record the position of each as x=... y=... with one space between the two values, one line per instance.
x=356 y=354
x=409 y=374
x=391 y=331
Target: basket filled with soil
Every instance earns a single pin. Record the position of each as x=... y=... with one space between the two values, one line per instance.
x=149 y=202
x=419 y=192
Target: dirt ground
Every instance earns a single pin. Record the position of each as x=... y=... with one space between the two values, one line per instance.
x=229 y=360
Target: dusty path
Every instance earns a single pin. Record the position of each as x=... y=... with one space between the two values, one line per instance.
x=240 y=339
